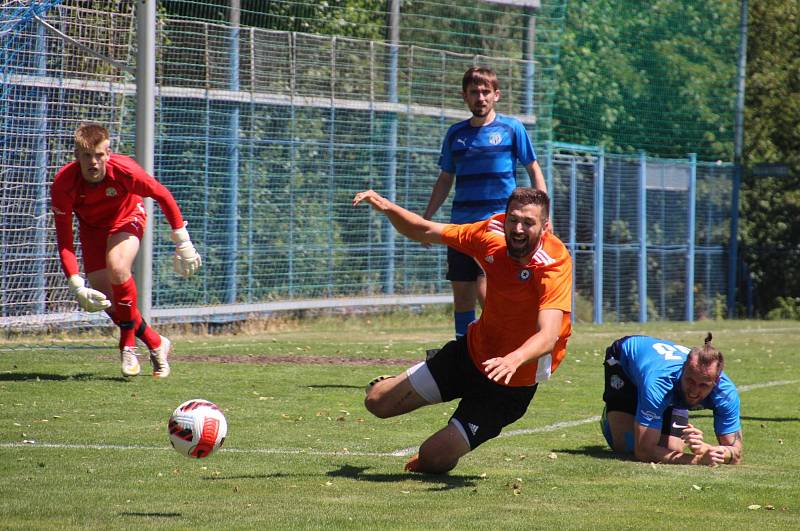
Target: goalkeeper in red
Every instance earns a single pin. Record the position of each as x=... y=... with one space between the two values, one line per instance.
x=104 y=190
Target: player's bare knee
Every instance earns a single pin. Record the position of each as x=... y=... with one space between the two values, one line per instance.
x=436 y=463
x=118 y=274
x=377 y=404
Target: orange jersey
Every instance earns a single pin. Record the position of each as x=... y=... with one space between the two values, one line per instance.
x=515 y=294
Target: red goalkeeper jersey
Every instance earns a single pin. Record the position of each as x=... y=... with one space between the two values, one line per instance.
x=99 y=206
x=515 y=294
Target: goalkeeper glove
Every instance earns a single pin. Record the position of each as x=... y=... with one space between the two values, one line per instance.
x=185 y=261
x=89 y=299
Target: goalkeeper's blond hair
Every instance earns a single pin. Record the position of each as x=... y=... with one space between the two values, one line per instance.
x=88 y=135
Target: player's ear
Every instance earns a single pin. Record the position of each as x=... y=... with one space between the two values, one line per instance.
x=497 y=95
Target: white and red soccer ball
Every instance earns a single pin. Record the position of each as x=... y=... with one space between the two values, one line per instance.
x=197 y=428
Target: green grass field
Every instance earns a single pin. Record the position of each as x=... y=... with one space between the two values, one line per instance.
x=302 y=452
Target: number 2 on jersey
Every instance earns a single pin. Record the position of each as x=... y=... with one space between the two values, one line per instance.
x=669 y=351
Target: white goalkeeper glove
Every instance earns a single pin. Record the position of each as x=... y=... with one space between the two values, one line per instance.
x=89 y=299
x=186 y=261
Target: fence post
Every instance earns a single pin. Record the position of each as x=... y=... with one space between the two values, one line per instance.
x=530 y=45
x=738 y=148
x=690 y=237
x=145 y=141
x=599 y=184
x=251 y=165
x=41 y=174
x=573 y=218
x=206 y=156
x=549 y=175
x=292 y=158
x=232 y=230
x=391 y=155
x=642 y=237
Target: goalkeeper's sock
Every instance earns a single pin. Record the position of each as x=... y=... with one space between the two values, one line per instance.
x=125 y=311
x=463 y=319
x=148 y=336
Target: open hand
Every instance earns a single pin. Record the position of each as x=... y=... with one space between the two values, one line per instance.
x=372 y=197
x=497 y=369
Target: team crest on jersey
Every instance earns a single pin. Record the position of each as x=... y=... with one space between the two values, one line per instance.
x=111 y=191
x=489 y=259
x=524 y=275
x=495 y=138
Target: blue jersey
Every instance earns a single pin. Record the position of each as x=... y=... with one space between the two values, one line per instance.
x=656 y=366
x=484 y=162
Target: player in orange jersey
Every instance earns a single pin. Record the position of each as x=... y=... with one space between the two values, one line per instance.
x=105 y=191
x=518 y=341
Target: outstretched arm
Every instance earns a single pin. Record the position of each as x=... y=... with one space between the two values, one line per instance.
x=407 y=223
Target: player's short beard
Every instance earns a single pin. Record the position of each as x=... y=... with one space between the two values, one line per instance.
x=521 y=252
x=483 y=113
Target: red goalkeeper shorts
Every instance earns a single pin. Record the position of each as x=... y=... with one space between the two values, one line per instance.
x=94 y=242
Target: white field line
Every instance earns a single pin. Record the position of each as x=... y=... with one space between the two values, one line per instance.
x=403 y=452
x=750 y=387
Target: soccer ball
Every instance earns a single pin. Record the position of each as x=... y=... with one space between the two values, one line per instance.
x=197 y=428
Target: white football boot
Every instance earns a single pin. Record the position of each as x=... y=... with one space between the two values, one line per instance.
x=159 y=357
x=130 y=361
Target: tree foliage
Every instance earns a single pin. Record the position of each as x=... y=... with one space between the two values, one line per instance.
x=658 y=78
x=770 y=228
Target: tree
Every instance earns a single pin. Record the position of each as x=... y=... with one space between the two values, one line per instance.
x=659 y=79
x=770 y=230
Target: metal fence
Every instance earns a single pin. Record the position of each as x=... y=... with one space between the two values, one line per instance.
x=267 y=195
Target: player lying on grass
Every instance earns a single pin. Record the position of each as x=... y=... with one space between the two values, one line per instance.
x=650 y=384
x=105 y=192
x=518 y=341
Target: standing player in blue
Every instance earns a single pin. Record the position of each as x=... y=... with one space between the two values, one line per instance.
x=480 y=155
x=650 y=384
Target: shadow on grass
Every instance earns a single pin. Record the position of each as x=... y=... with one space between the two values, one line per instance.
x=41 y=376
x=254 y=476
x=709 y=415
x=442 y=482
x=151 y=515
x=445 y=481
x=332 y=386
x=772 y=419
x=595 y=450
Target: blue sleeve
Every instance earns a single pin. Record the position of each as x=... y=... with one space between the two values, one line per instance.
x=651 y=403
x=525 y=153
x=446 y=162
x=726 y=410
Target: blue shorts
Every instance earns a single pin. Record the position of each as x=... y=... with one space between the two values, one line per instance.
x=461 y=267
